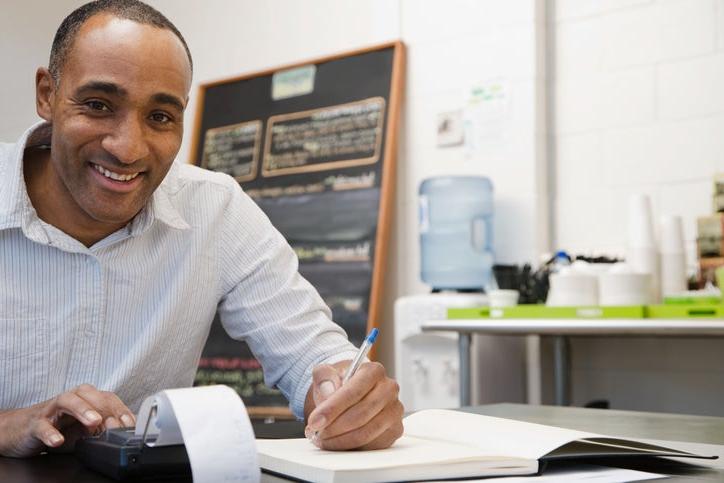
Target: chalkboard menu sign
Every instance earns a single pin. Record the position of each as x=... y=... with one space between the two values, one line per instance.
x=314 y=145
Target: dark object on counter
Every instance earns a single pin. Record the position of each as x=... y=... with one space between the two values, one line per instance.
x=600 y=259
x=598 y=404
x=121 y=455
x=532 y=286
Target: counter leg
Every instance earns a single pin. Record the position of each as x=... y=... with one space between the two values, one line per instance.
x=561 y=369
x=533 y=374
x=465 y=382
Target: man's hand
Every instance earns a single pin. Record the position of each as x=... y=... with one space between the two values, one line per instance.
x=60 y=421
x=365 y=413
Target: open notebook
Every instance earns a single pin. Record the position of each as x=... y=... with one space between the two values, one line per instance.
x=441 y=444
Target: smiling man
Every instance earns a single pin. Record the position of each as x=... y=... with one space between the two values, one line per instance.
x=114 y=259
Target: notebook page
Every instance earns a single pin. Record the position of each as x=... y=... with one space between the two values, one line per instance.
x=492 y=436
x=407 y=451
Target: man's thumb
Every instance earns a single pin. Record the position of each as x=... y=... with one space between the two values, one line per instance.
x=326 y=380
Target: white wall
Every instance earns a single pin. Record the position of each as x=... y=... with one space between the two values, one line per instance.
x=639 y=107
x=452 y=47
x=25 y=39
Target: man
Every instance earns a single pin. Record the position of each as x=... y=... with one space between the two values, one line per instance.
x=114 y=260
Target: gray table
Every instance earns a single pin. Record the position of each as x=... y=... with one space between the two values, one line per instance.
x=560 y=330
x=692 y=433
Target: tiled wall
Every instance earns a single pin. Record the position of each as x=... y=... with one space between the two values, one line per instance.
x=638 y=89
x=639 y=106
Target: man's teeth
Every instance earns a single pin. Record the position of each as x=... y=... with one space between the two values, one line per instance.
x=115 y=176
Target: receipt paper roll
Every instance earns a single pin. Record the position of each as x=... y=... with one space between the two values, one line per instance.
x=213 y=424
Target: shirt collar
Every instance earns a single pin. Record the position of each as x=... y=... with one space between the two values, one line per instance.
x=14 y=201
x=16 y=210
x=160 y=207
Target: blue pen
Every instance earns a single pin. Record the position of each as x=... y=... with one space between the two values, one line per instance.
x=361 y=354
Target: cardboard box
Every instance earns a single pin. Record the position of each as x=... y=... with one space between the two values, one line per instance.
x=710 y=236
x=708 y=268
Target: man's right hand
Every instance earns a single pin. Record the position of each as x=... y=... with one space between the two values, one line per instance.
x=59 y=422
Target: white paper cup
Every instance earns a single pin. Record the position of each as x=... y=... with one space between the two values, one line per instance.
x=624 y=288
x=572 y=289
x=503 y=298
x=640 y=222
x=672 y=234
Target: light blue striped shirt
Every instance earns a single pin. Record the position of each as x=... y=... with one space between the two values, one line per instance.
x=131 y=313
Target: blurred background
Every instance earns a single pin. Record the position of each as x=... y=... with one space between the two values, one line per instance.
x=569 y=107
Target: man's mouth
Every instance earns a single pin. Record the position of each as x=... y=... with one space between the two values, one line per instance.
x=113 y=175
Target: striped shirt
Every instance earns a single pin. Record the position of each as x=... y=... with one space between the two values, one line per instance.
x=131 y=313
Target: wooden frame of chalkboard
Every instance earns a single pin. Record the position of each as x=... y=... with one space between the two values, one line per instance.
x=314 y=143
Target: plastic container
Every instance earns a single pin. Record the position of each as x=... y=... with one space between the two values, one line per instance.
x=456 y=232
x=561 y=260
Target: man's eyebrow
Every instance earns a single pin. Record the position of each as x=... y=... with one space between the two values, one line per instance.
x=163 y=98
x=106 y=87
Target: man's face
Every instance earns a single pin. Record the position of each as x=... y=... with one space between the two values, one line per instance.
x=117 y=117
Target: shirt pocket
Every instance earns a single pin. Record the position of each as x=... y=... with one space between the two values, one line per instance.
x=24 y=361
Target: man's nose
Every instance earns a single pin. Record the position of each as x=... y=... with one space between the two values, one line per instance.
x=128 y=141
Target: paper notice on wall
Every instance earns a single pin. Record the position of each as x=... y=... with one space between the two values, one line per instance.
x=486 y=113
x=212 y=423
x=293 y=82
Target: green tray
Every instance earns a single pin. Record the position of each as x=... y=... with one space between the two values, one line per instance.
x=693 y=300
x=545 y=312
x=698 y=311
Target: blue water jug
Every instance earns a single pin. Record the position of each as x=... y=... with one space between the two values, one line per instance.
x=456 y=232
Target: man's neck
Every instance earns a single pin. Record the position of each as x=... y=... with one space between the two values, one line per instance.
x=44 y=190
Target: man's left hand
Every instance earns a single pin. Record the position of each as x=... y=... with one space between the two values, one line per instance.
x=363 y=414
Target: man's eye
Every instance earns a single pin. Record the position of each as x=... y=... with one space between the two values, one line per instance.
x=160 y=118
x=97 y=106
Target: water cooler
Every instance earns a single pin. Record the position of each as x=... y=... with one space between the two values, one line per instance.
x=456 y=247
x=427 y=363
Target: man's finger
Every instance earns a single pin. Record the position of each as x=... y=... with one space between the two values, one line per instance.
x=388 y=418
x=79 y=408
x=110 y=406
x=386 y=439
x=47 y=433
x=383 y=394
x=346 y=396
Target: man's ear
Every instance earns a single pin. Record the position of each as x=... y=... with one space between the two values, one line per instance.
x=44 y=93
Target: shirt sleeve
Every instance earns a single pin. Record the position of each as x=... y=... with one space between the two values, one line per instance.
x=266 y=302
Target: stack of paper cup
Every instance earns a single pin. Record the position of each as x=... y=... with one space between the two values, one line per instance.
x=570 y=288
x=673 y=261
x=642 y=252
x=622 y=286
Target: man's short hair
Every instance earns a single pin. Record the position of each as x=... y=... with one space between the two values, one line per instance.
x=126 y=9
